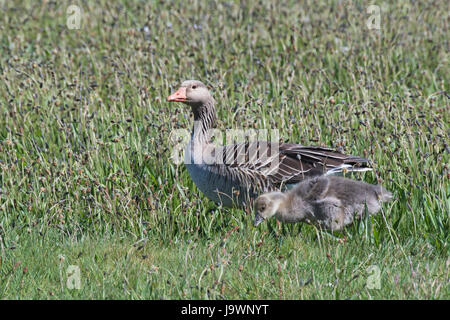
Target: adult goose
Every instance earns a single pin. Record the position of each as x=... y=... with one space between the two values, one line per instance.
x=328 y=202
x=234 y=174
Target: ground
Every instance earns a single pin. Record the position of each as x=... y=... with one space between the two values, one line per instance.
x=93 y=206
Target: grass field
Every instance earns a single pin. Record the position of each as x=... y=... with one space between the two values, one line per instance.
x=86 y=177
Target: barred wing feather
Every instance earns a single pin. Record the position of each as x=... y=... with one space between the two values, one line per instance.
x=266 y=165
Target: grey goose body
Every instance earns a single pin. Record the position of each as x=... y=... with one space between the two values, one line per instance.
x=234 y=174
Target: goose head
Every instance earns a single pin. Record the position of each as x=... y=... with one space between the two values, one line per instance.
x=193 y=93
x=267 y=205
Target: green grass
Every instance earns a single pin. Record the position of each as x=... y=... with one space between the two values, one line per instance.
x=86 y=177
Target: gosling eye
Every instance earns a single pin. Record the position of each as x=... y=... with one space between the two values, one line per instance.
x=194 y=87
x=262 y=208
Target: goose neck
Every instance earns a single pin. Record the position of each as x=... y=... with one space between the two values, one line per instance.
x=204 y=120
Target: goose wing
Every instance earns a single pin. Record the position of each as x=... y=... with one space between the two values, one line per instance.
x=267 y=165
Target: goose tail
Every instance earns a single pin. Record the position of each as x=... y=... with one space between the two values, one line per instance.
x=344 y=168
x=384 y=195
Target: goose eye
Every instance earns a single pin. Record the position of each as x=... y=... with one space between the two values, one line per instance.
x=194 y=87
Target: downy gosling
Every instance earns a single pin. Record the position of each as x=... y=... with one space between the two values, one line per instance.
x=329 y=202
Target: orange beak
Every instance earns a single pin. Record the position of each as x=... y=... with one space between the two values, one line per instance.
x=179 y=95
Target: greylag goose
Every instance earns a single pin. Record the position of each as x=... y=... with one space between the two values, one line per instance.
x=329 y=202
x=239 y=172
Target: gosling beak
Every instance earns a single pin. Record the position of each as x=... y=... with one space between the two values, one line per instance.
x=179 y=95
x=258 y=219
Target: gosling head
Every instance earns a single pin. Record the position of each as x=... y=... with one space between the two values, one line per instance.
x=267 y=205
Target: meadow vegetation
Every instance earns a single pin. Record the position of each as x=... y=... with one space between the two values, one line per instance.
x=87 y=180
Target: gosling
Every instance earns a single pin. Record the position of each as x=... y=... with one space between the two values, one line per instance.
x=329 y=202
